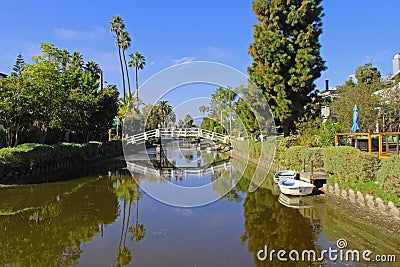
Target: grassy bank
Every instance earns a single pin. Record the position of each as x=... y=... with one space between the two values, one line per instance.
x=346 y=166
x=30 y=158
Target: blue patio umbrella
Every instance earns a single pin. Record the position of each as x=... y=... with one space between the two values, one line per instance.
x=355 y=127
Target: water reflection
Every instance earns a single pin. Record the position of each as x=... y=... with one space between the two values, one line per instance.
x=128 y=192
x=45 y=225
x=104 y=219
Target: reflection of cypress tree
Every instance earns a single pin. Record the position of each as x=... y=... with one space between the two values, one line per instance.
x=269 y=223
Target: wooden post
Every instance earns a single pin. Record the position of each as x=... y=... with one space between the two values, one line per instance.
x=387 y=143
x=397 y=143
x=369 y=143
x=336 y=140
x=380 y=143
x=312 y=172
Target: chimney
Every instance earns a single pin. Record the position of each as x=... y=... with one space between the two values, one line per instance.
x=396 y=64
x=326 y=85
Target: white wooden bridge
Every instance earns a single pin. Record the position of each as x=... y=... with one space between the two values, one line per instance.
x=176 y=133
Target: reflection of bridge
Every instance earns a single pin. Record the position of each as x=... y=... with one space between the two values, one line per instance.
x=179 y=171
x=178 y=133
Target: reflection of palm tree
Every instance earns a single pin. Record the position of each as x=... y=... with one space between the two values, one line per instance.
x=138 y=231
x=125 y=191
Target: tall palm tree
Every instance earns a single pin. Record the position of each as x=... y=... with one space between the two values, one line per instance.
x=117 y=26
x=203 y=109
x=94 y=69
x=125 y=43
x=137 y=61
x=77 y=61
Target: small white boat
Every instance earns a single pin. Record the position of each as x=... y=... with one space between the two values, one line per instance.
x=295 y=187
x=285 y=174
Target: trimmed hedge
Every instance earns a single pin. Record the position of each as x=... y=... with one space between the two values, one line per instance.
x=389 y=175
x=27 y=157
x=294 y=156
x=349 y=164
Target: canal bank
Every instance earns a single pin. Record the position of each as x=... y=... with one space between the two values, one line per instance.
x=363 y=207
x=20 y=164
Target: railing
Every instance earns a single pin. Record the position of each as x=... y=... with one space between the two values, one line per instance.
x=177 y=133
x=385 y=144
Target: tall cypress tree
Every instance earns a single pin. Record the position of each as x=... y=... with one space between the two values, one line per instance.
x=286 y=55
x=19 y=65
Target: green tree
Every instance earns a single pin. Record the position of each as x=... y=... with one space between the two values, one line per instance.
x=15 y=106
x=188 y=121
x=165 y=109
x=360 y=93
x=117 y=26
x=137 y=61
x=286 y=55
x=19 y=65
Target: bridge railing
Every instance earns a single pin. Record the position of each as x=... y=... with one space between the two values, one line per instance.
x=178 y=133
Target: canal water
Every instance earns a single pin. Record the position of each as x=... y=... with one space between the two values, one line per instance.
x=99 y=216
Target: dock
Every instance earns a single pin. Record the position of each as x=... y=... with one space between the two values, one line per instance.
x=316 y=178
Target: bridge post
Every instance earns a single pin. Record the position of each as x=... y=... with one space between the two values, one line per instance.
x=157 y=133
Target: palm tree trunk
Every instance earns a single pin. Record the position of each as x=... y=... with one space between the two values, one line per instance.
x=122 y=71
x=137 y=86
x=127 y=73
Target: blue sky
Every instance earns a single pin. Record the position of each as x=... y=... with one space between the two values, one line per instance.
x=170 y=32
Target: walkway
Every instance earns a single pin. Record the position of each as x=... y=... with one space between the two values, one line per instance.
x=171 y=133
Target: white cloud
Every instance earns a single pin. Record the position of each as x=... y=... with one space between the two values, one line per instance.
x=94 y=33
x=182 y=60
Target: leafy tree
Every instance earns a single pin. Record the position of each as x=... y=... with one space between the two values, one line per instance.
x=362 y=94
x=15 y=109
x=137 y=61
x=390 y=108
x=286 y=55
x=117 y=26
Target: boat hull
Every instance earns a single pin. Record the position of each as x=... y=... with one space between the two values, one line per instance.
x=295 y=187
x=285 y=174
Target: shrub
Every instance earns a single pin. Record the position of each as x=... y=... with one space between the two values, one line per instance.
x=295 y=155
x=349 y=164
x=389 y=174
x=30 y=156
